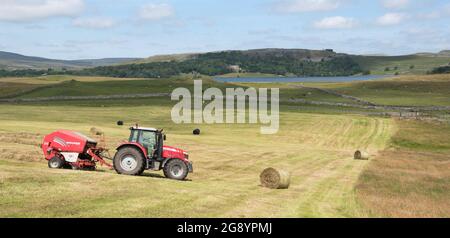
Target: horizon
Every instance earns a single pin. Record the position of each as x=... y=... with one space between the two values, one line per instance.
x=182 y=53
x=95 y=29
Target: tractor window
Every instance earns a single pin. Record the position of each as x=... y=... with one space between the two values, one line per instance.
x=134 y=136
x=148 y=140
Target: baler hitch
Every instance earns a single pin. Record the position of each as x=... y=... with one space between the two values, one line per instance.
x=98 y=158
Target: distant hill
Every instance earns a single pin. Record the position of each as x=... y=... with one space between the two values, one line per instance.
x=421 y=63
x=13 y=61
x=272 y=61
x=164 y=58
x=286 y=62
x=443 y=53
x=315 y=55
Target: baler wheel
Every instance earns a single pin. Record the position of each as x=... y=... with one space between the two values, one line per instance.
x=176 y=169
x=129 y=161
x=56 y=163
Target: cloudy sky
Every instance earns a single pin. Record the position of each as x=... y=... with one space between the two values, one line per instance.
x=74 y=29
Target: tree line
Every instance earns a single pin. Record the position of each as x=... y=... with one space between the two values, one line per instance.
x=215 y=64
x=441 y=70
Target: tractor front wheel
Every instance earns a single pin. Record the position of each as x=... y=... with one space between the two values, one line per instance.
x=129 y=161
x=176 y=169
x=56 y=163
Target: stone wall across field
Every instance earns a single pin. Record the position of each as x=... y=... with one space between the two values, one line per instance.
x=97 y=97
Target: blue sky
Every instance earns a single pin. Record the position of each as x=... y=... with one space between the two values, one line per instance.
x=74 y=29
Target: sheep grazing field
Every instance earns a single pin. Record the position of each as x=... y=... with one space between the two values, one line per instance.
x=407 y=175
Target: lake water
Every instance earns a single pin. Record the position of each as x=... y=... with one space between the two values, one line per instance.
x=301 y=79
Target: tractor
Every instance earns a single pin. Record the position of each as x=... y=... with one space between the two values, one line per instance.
x=145 y=150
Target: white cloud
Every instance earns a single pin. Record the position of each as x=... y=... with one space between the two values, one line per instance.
x=29 y=10
x=337 y=22
x=392 y=18
x=395 y=3
x=94 y=22
x=293 y=6
x=156 y=11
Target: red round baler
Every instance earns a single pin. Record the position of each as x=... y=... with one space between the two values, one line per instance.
x=72 y=149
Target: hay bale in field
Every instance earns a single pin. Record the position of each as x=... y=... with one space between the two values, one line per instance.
x=93 y=130
x=97 y=132
x=275 y=179
x=196 y=132
x=99 y=136
x=361 y=155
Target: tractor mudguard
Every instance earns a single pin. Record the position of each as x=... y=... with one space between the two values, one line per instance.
x=134 y=144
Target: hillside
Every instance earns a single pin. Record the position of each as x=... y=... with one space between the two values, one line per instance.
x=13 y=61
x=407 y=64
x=269 y=52
x=163 y=58
x=268 y=61
x=443 y=53
x=420 y=63
x=284 y=62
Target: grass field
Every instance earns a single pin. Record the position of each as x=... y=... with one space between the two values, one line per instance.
x=405 y=90
x=408 y=64
x=225 y=182
x=315 y=144
x=411 y=177
x=13 y=87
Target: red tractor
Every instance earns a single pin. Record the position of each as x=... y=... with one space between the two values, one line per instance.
x=144 y=150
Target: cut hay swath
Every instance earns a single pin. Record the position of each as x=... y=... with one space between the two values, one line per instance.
x=275 y=179
x=361 y=155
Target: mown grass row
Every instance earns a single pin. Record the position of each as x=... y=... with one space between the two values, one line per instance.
x=411 y=178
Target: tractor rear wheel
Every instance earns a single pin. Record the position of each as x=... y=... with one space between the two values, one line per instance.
x=56 y=163
x=176 y=169
x=129 y=161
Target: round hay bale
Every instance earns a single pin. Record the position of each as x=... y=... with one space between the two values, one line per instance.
x=275 y=179
x=361 y=155
x=95 y=131
x=120 y=123
x=196 y=132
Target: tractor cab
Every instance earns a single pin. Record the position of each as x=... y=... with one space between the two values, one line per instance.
x=150 y=138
